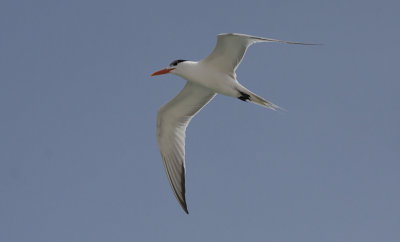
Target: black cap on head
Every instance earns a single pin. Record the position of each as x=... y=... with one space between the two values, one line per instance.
x=176 y=62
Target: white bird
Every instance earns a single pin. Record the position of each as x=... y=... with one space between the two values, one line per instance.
x=214 y=74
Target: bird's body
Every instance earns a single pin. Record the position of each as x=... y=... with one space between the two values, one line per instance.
x=211 y=78
x=205 y=75
x=213 y=75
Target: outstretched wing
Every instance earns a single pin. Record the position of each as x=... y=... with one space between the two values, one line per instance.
x=172 y=120
x=230 y=49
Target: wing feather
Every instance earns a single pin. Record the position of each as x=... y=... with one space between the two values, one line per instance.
x=231 y=48
x=172 y=120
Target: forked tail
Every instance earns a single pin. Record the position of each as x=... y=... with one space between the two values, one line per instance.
x=246 y=95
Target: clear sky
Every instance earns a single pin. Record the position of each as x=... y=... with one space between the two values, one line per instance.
x=78 y=154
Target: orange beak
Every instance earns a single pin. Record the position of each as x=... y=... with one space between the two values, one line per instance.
x=162 y=72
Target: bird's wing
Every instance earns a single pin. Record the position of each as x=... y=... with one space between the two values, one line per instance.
x=172 y=120
x=230 y=49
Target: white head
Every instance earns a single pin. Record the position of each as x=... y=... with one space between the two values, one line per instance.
x=174 y=68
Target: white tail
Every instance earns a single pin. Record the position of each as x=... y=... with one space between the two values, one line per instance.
x=246 y=95
x=262 y=102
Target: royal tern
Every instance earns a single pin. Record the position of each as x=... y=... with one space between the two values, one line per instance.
x=206 y=78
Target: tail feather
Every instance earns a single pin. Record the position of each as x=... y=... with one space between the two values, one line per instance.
x=262 y=102
x=254 y=98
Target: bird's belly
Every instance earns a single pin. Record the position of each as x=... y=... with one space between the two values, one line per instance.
x=218 y=82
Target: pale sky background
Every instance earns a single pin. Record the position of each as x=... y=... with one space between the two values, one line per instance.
x=78 y=154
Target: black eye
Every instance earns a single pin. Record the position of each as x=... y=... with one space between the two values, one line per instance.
x=176 y=62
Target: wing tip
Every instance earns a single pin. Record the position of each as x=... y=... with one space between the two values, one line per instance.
x=180 y=194
x=182 y=198
x=268 y=39
x=184 y=206
x=182 y=202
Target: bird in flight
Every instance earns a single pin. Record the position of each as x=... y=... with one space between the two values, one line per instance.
x=205 y=79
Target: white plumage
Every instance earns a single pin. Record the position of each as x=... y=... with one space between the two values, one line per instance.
x=214 y=74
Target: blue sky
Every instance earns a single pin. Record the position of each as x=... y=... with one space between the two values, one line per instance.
x=78 y=155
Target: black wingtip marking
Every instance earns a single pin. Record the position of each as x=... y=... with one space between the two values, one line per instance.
x=244 y=96
x=183 y=202
x=184 y=206
x=186 y=210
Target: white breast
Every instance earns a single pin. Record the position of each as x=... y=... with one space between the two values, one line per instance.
x=209 y=77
